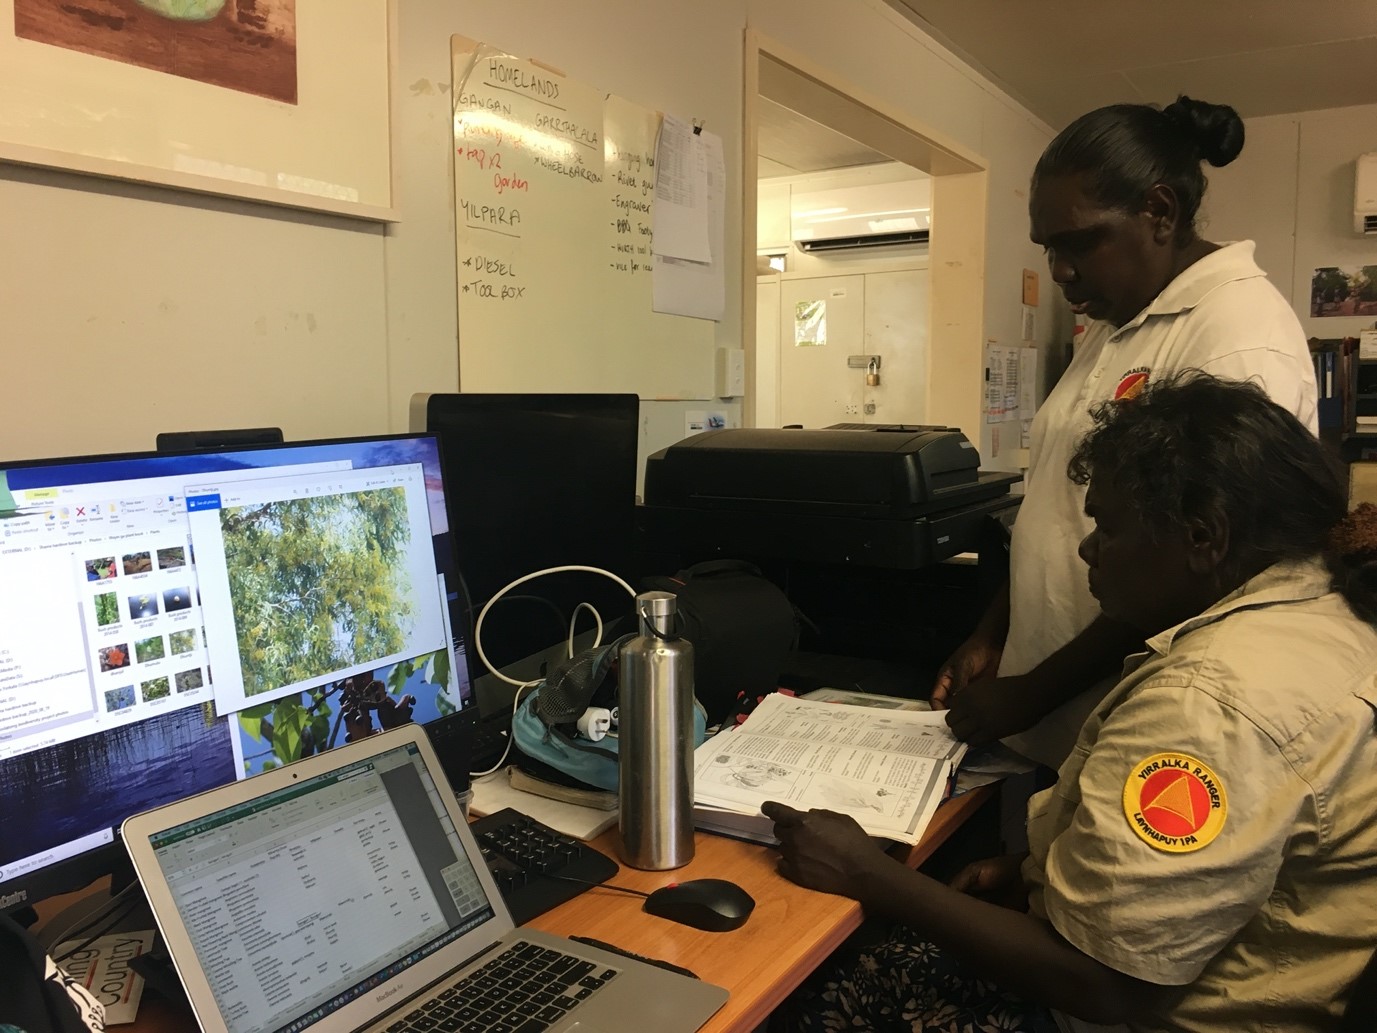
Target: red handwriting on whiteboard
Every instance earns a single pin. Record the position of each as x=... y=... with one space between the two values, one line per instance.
x=482 y=157
x=503 y=182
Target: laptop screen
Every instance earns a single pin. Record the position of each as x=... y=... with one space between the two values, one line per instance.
x=299 y=901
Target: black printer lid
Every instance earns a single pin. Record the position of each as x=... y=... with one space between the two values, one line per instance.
x=897 y=475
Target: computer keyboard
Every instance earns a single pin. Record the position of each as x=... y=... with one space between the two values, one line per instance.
x=525 y=989
x=523 y=854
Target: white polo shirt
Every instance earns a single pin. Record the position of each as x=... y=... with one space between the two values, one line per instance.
x=1220 y=315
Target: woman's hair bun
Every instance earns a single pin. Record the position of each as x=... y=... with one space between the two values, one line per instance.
x=1216 y=128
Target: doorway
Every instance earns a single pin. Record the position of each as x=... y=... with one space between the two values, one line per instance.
x=873 y=307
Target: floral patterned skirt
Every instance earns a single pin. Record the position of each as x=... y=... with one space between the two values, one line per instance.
x=904 y=985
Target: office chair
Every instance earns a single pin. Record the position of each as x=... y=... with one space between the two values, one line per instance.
x=1360 y=1015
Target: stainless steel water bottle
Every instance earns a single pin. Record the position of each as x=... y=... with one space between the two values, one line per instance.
x=655 y=728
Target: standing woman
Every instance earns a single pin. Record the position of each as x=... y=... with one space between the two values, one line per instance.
x=1113 y=204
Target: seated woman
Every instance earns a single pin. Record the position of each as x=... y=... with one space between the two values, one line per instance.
x=1208 y=857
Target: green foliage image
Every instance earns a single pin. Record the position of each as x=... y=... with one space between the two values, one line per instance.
x=158 y=688
x=362 y=705
x=149 y=649
x=317 y=584
x=107 y=609
x=182 y=641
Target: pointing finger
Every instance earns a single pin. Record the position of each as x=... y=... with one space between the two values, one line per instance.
x=782 y=814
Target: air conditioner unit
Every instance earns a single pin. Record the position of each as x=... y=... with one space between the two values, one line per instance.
x=870 y=215
x=1365 y=194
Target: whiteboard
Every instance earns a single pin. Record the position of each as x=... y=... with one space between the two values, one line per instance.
x=553 y=187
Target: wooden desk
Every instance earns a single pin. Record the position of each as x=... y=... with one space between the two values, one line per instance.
x=790 y=933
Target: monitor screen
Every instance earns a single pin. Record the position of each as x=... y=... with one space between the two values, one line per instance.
x=173 y=622
x=539 y=480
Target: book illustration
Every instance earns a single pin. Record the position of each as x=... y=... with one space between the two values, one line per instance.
x=845 y=796
x=752 y=774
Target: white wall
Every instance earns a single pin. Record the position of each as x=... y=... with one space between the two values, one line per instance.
x=126 y=310
x=1291 y=190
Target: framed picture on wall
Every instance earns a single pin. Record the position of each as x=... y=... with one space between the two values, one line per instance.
x=281 y=101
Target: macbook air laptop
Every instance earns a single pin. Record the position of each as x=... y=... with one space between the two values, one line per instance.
x=345 y=892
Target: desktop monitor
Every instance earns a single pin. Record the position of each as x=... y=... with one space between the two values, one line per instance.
x=537 y=481
x=172 y=622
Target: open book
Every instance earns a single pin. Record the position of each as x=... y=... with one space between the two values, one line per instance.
x=888 y=769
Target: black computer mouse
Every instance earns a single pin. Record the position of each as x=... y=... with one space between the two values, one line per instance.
x=712 y=904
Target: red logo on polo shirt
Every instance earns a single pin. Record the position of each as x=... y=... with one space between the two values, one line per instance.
x=1174 y=802
x=1131 y=384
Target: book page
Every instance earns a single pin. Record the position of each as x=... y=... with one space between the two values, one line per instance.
x=866 y=699
x=887 y=769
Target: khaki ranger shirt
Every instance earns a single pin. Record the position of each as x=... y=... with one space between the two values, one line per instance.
x=1214 y=830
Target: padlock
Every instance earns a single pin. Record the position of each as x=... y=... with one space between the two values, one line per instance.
x=872 y=375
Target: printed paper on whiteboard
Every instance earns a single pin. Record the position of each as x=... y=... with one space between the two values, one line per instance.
x=699 y=289
x=680 y=213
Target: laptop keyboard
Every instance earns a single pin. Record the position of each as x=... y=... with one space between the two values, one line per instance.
x=525 y=989
x=524 y=857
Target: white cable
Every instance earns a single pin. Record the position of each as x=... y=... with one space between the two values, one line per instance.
x=478 y=625
x=522 y=686
x=597 y=638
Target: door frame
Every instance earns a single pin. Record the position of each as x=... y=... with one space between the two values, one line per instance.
x=957 y=248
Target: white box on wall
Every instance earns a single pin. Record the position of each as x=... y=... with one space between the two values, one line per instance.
x=731 y=372
x=1365 y=194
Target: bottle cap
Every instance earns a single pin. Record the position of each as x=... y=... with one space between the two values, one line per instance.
x=657 y=604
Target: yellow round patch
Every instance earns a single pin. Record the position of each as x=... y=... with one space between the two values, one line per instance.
x=1174 y=802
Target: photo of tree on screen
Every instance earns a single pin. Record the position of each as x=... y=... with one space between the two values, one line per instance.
x=345 y=710
x=317 y=584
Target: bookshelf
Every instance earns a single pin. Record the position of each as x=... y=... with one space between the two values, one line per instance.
x=1347 y=403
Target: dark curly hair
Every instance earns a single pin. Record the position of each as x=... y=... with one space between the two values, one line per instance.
x=1193 y=446
x=1123 y=150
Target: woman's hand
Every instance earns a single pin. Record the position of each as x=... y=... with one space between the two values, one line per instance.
x=996 y=879
x=992 y=708
x=975 y=659
x=826 y=851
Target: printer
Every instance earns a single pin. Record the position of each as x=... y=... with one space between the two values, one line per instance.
x=891 y=497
